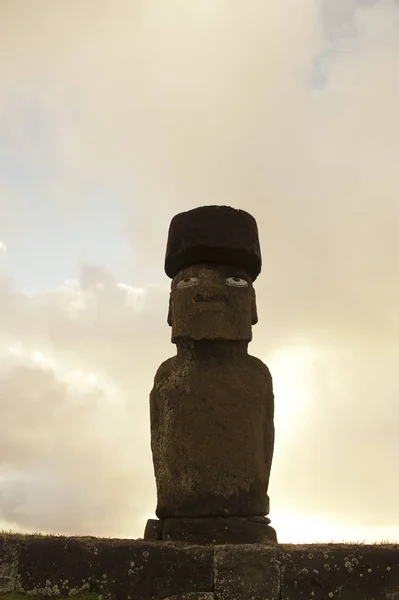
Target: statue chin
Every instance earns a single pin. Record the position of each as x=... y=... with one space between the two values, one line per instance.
x=212 y=323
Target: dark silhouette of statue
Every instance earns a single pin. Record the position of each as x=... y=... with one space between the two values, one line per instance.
x=212 y=405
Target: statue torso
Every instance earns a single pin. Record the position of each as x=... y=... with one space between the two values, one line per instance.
x=209 y=416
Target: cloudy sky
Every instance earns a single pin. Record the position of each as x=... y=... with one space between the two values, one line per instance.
x=115 y=116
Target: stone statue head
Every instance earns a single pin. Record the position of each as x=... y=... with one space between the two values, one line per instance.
x=213 y=257
x=210 y=302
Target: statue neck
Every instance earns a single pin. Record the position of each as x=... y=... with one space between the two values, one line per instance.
x=208 y=349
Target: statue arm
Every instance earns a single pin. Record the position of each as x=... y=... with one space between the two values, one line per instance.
x=264 y=375
x=162 y=373
x=269 y=433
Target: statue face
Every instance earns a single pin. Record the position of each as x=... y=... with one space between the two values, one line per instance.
x=212 y=302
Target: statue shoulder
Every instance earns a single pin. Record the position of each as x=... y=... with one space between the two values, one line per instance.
x=165 y=369
x=260 y=367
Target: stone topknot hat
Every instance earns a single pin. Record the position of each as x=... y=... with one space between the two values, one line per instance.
x=213 y=234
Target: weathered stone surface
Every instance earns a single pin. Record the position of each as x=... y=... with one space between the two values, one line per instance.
x=54 y=566
x=339 y=572
x=215 y=234
x=218 y=531
x=212 y=432
x=193 y=596
x=150 y=571
x=212 y=302
x=153 y=530
x=161 y=570
x=246 y=573
x=9 y=555
x=212 y=405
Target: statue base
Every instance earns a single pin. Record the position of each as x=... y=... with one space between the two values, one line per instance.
x=211 y=530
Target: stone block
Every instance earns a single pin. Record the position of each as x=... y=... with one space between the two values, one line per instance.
x=9 y=555
x=138 y=570
x=153 y=530
x=246 y=573
x=339 y=572
x=219 y=530
x=54 y=566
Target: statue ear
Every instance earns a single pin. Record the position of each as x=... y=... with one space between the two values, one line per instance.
x=169 y=319
x=254 y=312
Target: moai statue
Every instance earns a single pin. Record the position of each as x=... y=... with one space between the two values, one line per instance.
x=212 y=405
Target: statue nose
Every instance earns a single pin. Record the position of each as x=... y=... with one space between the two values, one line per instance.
x=209 y=296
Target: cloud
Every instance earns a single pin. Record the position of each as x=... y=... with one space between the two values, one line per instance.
x=75 y=430
x=288 y=111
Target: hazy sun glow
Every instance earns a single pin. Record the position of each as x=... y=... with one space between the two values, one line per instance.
x=295 y=528
x=291 y=370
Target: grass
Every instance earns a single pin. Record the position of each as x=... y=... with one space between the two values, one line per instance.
x=38 y=534
x=17 y=596
x=88 y=537
x=383 y=543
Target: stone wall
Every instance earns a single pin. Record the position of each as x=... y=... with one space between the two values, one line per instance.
x=108 y=569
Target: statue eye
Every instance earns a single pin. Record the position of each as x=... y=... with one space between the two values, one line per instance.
x=236 y=282
x=188 y=282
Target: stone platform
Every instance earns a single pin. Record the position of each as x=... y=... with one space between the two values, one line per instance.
x=115 y=569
